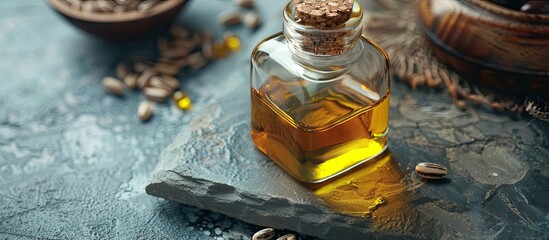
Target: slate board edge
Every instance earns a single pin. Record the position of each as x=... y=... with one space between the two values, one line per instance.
x=167 y=184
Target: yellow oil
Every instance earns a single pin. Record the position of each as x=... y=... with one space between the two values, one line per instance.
x=378 y=190
x=315 y=136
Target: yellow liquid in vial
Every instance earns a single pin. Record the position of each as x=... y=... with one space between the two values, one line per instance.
x=316 y=137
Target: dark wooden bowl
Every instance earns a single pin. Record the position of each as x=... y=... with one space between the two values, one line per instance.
x=501 y=48
x=125 y=26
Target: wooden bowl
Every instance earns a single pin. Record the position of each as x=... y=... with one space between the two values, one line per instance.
x=124 y=26
x=501 y=48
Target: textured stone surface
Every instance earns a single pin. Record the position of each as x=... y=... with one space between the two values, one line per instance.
x=74 y=161
x=497 y=186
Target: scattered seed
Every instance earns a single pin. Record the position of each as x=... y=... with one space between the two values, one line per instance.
x=170 y=82
x=122 y=70
x=156 y=78
x=156 y=82
x=113 y=85
x=207 y=44
x=165 y=82
x=130 y=80
x=182 y=62
x=229 y=17
x=431 y=170
x=207 y=49
x=288 y=236
x=141 y=66
x=156 y=94
x=175 y=53
x=167 y=68
x=245 y=3
x=179 y=32
x=252 y=20
x=162 y=44
x=145 y=111
x=144 y=78
x=264 y=234
x=196 y=61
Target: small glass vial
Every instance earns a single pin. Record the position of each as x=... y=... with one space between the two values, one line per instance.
x=319 y=97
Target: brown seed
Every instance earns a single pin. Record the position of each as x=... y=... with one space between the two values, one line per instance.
x=166 y=68
x=146 y=5
x=89 y=7
x=157 y=83
x=264 y=234
x=195 y=40
x=288 y=236
x=141 y=65
x=179 y=32
x=119 y=9
x=170 y=81
x=196 y=61
x=105 y=6
x=162 y=44
x=113 y=85
x=75 y=4
x=132 y=6
x=111 y=6
x=207 y=44
x=252 y=20
x=183 y=62
x=178 y=52
x=245 y=3
x=187 y=44
x=207 y=49
x=156 y=94
x=229 y=17
x=145 y=110
x=144 y=78
x=165 y=82
x=130 y=80
x=431 y=170
x=122 y=70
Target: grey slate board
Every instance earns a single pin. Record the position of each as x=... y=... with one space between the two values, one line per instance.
x=497 y=187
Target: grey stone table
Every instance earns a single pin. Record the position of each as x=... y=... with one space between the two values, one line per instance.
x=74 y=162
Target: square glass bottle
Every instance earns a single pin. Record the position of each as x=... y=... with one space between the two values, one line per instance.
x=319 y=97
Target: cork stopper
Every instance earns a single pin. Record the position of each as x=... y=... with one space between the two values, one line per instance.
x=322 y=27
x=323 y=13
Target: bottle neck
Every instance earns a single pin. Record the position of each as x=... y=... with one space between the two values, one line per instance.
x=306 y=40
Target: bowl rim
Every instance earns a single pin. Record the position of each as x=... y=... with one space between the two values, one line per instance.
x=160 y=8
x=511 y=13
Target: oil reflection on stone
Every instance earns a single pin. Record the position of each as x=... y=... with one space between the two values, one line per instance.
x=378 y=191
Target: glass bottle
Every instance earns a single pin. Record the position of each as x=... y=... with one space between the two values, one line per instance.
x=319 y=98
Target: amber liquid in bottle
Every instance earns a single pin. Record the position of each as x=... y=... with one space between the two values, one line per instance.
x=320 y=134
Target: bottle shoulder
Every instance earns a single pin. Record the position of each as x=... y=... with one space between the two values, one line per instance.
x=275 y=51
